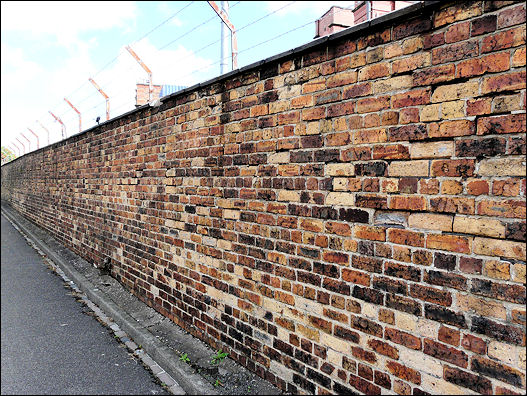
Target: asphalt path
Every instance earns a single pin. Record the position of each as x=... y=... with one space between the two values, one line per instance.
x=50 y=342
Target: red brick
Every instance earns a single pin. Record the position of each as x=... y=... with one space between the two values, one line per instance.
x=485 y=24
x=383 y=348
x=405 y=237
x=407 y=203
x=434 y=75
x=403 y=372
x=503 y=82
x=512 y=123
x=492 y=63
x=511 y=16
x=474 y=344
x=454 y=52
x=411 y=98
x=449 y=336
x=457 y=32
x=446 y=353
x=502 y=40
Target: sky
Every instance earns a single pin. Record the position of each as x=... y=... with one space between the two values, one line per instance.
x=50 y=49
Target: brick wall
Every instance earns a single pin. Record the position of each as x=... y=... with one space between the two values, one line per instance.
x=347 y=217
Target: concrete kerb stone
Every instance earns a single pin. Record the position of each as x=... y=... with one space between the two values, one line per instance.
x=188 y=381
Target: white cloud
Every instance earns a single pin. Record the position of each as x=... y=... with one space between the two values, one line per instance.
x=312 y=8
x=66 y=20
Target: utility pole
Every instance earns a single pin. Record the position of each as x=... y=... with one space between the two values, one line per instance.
x=106 y=97
x=234 y=41
x=38 y=144
x=43 y=127
x=224 y=39
x=77 y=111
x=28 y=142
x=61 y=123
x=23 y=146
x=145 y=67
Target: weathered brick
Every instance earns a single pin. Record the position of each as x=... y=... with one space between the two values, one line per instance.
x=440 y=278
x=468 y=380
x=402 y=338
x=499 y=371
x=501 y=248
x=404 y=372
x=499 y=291
x=430 y=294
x=502 y=208
x=446 y=353
x=488 y=147
x=453 y=52
x=504 y=39
x=411 y=98
x=513 y=123
x=501 y=82
x=492 y=63
x=444 y=93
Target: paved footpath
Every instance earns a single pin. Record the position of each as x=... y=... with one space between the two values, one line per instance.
x=50 y=342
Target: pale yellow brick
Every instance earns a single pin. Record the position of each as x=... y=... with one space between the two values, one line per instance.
x=481 y=306
x=502 y=167
x=438 y=386
x=289 y=91
x=340 y=198
x=432 y=150
x=312 y=128
x=404 y=321
x=449 y=92
x=392 y=84
x=231 y=214
x=369 y=310
x=225 y=203
x=479 y=226
x=450 y=110
x=334 y=357
x=271 y=305
x=309 y=332
x=497 y=269
x=420 y=362
x=409 y=168
x=225 y=245
x=427 y=328
x=500 y=248
x=288 y=195
x=505 y=353
x=412 y=45
x=248 y=171
x=430 y=112
x=278 y=158
x=337 y=344
x=279 y=106
x=340 y=184
x=430 y=221
x=281 y=371
x=346 y=169
x=518 y=274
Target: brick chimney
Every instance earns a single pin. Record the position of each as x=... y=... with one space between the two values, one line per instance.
x=335 y=20
x=141 y=93
x=367 y=10
x=338 y=18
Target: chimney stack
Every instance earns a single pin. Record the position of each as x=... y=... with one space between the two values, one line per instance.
x=141 y=93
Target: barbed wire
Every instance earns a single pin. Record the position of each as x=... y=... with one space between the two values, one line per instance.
x=70 y=117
